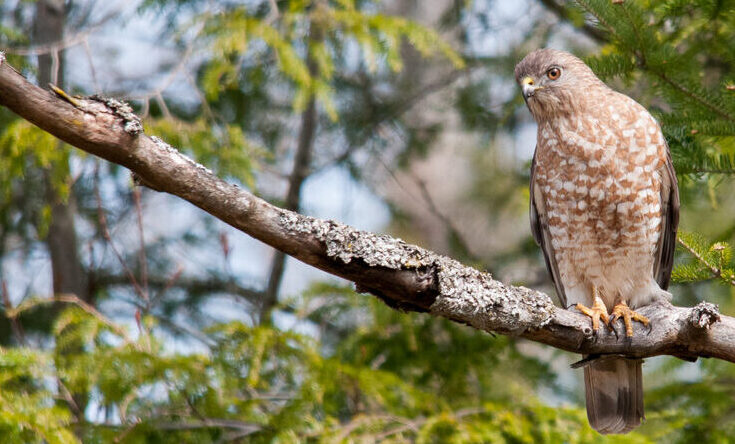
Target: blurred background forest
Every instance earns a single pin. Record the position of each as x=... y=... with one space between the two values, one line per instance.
x=130 y=316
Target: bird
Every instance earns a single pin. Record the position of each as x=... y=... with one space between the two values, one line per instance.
x=604 y=208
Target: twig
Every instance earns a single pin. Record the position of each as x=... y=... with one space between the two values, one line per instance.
x=600 y=19
x=406 y=424
x=102 y=219
x=454 y=232
x=695 y=97
x=92 y=71
x=157 y=92
x=212 y=284
x=65 y=43
x=202 y=98
x=142 y=253
x=406 y=104
x=361 y=420
x=169 y=283
x=415 y=425
x=273 y=14
x=89 y=309
x=69 y=399
x=158 y=96
x=208 y=423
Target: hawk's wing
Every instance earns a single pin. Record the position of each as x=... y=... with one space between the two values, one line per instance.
x=540 y=230
x=669 y=223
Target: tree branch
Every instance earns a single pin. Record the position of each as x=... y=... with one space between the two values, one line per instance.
x=404 y=276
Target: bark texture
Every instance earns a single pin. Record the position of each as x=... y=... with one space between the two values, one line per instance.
x=404 y=276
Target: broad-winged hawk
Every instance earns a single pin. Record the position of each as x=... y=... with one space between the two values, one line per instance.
x=604 y=209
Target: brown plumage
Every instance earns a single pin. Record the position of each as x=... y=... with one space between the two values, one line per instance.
x=604 y=209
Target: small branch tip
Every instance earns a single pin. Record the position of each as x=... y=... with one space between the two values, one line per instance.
x=63 y=95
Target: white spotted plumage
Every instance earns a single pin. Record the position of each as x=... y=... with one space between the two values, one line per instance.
x=605 y=218
x=604 y=209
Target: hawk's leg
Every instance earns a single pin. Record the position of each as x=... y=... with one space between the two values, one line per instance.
x=596 y=312
x=621 y=310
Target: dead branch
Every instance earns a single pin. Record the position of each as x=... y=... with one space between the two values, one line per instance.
x=405 y=276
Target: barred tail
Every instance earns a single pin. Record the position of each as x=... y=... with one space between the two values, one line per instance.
x=614 y=392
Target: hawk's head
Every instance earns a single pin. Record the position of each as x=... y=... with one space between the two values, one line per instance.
x=554 y=82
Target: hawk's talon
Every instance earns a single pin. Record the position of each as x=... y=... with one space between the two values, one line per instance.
x=621 y=310
x=596 y=312
x=614 y=330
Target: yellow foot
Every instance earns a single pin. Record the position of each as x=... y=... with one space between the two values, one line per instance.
x=621 y=310
x=597 y=312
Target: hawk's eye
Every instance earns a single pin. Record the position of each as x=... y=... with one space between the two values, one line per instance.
x=553 y=73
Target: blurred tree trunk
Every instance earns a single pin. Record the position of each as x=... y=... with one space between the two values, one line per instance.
x=68 y=274
x=299 y=173
x=61 y=240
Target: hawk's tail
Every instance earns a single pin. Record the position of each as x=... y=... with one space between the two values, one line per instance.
x=614 y=392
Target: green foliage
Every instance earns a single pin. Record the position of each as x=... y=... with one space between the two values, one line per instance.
x=708 y=260
x=700 y=126
x=699 y=408
x=24 y=145
x=607 y=65
x=25 y=149
x=699 y=155
x=672 y=46
x=27 y=410
x=34 y=162
x=272 y=385
x=678 y=58
x=326 y=30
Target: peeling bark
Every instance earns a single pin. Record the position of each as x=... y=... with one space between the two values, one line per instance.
x=404 y=276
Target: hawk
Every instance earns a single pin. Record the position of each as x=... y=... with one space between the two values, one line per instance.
x=604 y=210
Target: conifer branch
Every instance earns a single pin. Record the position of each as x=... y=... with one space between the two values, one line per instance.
x=692 y=95
x=404 y=276
x=715 y=270
x=563 y=13
x=640 y=56
x=601 y=20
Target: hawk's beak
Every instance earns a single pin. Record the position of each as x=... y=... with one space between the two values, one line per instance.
x=528 y=87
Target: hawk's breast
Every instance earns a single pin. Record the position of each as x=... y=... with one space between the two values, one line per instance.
x=598 y=175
